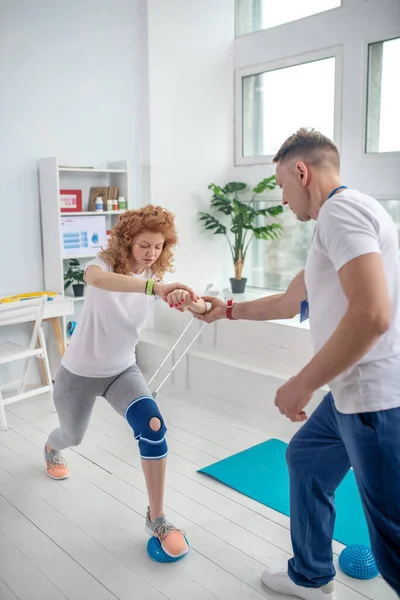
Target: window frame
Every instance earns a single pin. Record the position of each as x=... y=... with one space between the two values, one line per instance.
x=366 y=44
x=335 y=52
x=328 y=10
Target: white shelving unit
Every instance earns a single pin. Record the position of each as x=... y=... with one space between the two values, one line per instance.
x=54 y=177
x=89 y=170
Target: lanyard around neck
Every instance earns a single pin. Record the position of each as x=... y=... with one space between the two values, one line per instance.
x=341 y=187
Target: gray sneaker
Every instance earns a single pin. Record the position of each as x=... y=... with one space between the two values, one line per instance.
x=172 y=540
x=55 y=464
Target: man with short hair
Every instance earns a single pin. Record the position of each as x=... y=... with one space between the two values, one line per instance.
x=351 y=289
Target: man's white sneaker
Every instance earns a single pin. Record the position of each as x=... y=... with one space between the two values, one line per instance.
x=279 y=581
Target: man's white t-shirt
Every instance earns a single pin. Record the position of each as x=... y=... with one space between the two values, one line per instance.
x=351 y=224
x=104 y=340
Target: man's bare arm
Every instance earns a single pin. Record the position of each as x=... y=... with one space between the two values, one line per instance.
x=277 y=306
x=270 y=308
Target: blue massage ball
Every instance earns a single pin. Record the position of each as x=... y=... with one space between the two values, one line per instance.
x=358 y=561
x=156 y=552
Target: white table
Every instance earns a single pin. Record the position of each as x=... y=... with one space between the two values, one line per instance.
x=60 y=306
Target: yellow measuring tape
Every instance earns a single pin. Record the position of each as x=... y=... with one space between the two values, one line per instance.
x=29 y=296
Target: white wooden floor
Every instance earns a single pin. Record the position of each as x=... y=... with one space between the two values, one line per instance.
x=83 y=538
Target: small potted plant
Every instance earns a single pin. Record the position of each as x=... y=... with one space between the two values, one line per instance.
x=75 y=277
x=246 y=221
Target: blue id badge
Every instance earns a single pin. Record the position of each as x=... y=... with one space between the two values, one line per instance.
x=304 y=310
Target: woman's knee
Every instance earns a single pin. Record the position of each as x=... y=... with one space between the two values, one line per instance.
x=144 y=416
x=155 y=424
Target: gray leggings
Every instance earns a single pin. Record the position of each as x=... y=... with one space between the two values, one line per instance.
x=74 y=398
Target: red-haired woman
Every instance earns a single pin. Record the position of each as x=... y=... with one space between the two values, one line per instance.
x=100 y=361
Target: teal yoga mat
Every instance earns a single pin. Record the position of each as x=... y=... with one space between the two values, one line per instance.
x=261 y=473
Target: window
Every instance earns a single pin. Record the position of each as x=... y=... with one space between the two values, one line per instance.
x=393 y=208
x=272 y=265
x=267 y=113
x=253 y=15
x=383 y=122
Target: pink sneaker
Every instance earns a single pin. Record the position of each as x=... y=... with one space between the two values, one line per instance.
x=55 y=464
x=172 y=540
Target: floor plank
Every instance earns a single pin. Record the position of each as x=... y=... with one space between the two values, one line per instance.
x=48 y=557
x=6 y=593
x=22 y=578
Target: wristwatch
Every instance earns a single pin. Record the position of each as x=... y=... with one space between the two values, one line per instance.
x=229 y=305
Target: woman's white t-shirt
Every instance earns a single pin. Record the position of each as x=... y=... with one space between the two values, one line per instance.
x=104 y=340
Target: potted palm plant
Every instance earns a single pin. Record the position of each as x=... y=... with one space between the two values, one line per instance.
x=246 y=221
x=75 y=277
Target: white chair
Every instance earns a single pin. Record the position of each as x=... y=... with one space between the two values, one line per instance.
x=12 y=313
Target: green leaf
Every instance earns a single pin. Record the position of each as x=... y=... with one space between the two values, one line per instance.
x=248 y=226
x=217 y=191
x=233 y=187
x=242 y=207
x=272 y=211
x=268 y=232
x=224 y=206
x=236 y=227
x=211 y=223
x=266 y=184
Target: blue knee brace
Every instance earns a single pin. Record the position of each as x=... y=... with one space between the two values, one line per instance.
x=152 y=444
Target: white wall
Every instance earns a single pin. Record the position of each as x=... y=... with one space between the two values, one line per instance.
x=192 y=108
x=73 y=83
x=191 y=123
x=354 y=25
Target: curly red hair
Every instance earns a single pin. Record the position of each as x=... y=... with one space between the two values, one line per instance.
x=130 y=224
